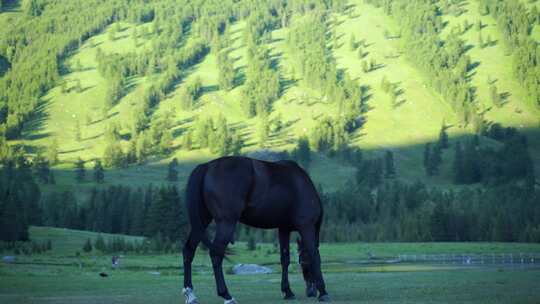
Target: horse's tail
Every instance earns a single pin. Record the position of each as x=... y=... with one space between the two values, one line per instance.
x=318 y=227
x=194 y=201
x=318 y=230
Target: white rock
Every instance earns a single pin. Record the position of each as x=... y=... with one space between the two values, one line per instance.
x=242 y=269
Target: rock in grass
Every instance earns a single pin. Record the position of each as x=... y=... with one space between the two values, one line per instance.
x=243 y=269
x=8 y=259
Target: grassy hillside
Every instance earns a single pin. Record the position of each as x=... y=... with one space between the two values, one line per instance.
x=403 y=128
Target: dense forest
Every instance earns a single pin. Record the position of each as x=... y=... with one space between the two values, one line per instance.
x=285 y=77
x=374 y=206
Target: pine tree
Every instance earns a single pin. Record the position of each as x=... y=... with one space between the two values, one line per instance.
x=52 y=179
x=187 y=140
x=443 y=138
x=80 y=172
x=135 y=36
x=436 y=159
x=479 y=25
x=63 y=87
x=365 y=67
x=42 y=169
x=495 y=97
x=302 y=152
x=172 y=172
x=389 y=164
x=372 y=64
x=158 y=211
x=236 y=144
x=78 y=86
x=427 y=158
x=99 y=172
x=165 y=144
x=87 y=246
x=263 y=131
x=352 y=43
x=226 y=72
x=99 y=243
x=458 y=170
x=360 y=53
x=52 y=152
x=472 y=173
x=439 y=223
x=143 y=147
x=131 y=155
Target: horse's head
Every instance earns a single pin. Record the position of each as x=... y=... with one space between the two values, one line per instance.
x=305 y=263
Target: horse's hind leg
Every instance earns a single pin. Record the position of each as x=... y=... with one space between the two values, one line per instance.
x=309 y=243
x=284 y=240
x=224 y=235
x=188 y=253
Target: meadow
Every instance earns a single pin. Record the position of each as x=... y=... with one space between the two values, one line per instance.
x=56 y=277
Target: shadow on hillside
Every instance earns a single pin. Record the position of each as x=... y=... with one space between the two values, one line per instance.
x=33 y=127
x=209 y=89
x=283 y=136
x=93 y=137
x=71 y=151
x=181 y=127
x=4 y=65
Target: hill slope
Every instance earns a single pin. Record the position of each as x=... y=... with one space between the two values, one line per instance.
x=403 y=128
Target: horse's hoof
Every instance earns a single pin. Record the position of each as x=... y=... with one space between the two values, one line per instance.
x=192 y=301
x=289 y=296
x=311 y=293
x=324 y=298
x=231 y=301
x=190 y=296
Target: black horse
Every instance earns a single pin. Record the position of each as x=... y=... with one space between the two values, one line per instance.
x=261 y=194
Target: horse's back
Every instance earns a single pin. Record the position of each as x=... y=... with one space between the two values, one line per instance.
x=263 y=194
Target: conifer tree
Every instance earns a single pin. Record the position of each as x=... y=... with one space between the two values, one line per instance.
x=263 y=131
x=352 y=43
x=302 y=153
x=187 y=140
x=80 y=171
x=165 y=144
x=87 y=246
x=457 y=167
x=390 y=171
x=226 y=71
x=99 y=172
x=52 y=152
x=443 y=138
x=172 y=172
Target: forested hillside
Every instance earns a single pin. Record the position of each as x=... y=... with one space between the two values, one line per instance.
x=419 y=120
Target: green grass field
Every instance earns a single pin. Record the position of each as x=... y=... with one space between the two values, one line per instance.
x=55 y=277
x=403 y=129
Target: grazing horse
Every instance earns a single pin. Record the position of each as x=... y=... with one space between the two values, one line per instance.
x=260 y=194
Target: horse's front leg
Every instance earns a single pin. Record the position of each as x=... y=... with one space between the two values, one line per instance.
x=284 y=239
x=224 y=235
